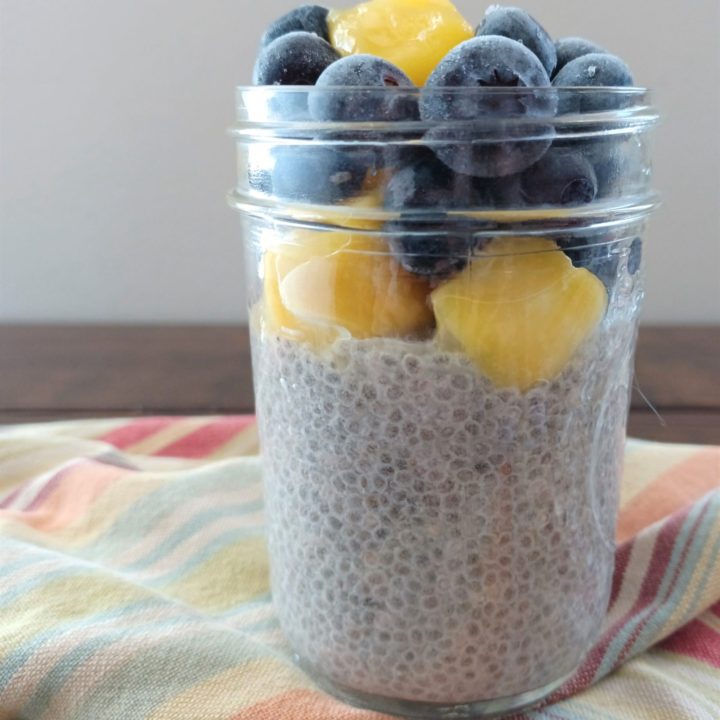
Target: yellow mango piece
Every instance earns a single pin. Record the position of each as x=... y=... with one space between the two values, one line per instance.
x=520 y=311
x=372 y=199
x=413 y=34
x=343 y=214
x=322 y=285
x=276 y=318
x=518 y=216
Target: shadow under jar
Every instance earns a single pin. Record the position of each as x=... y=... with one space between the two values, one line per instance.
x=443 y=319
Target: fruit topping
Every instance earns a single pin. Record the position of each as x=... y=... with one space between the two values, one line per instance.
x=426 y=243
x=489 y=62
x=596 y=253
x=306 y=18
x=323 y=175
x=617 y=161
x=326 y=284
x=560 y=177
x=297 y=58
x=519 y=307
x=601 y=255
x=276 y=318
x=364 y=104
x=428 y=183
x=570 y=48
x=593 y=70
x=412 y=34
x=519 y=311
x=516 y=24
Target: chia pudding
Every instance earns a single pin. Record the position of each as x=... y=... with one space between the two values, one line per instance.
x=434 y=537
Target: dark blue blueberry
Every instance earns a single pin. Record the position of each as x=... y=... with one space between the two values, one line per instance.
x=598 y=254
x=297 y=58
x=618 y=163
x=364 y=72
x=571 y=48
x=317 y=174
x=560 y=177
x=425 y=240
x=428 y=184
x=635 y=256
x=506 y=192
x=490 y=151
x=306 y=18
x=608 y=159
x=430 y=248
x=516 y=24
x=382 y=92
x=508 y=82
x=595 y=70
x=488 y=62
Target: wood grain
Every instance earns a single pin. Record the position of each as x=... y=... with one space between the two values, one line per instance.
x=681 y=426
x=109 y=370
x=678 y=367
x=54 y=372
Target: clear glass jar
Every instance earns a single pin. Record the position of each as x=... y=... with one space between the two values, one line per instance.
x=442 y=369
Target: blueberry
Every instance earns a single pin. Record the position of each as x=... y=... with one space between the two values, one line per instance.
x=488 y=62
x=297 y=58
x=597 y=254
x=571 y=48
x=306 y=18
x=507 y=193
x=516 y=24
x=381 y=92
x=508 y=82
x=608 y=160
x=618 y=163
x=560 y=177
x=490 y=152
x=429 y=248
x=427 y=184
x=635 y=256
x=366 y=72
x=593 y=70
x=315 y=174
x=425 y=240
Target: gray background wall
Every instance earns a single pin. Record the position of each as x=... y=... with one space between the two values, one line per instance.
x=114 y=162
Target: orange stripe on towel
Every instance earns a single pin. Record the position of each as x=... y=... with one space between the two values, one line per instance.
x=75 y=489
x=682 y=485
x=306 y=705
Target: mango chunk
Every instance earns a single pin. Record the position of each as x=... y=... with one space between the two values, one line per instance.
x=519 y=311
x=413 y=34
x=371 y=199
x=276 y=318
x=319 y=286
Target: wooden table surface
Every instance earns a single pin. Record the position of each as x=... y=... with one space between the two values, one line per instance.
x=53 y=372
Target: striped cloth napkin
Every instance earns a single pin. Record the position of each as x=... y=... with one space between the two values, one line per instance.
x=133 y=583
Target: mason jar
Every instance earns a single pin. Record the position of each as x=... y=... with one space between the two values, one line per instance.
x=443 y=317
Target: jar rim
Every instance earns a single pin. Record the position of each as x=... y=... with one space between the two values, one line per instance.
x=615 y=213
x=256 y=107
x=462 y=90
